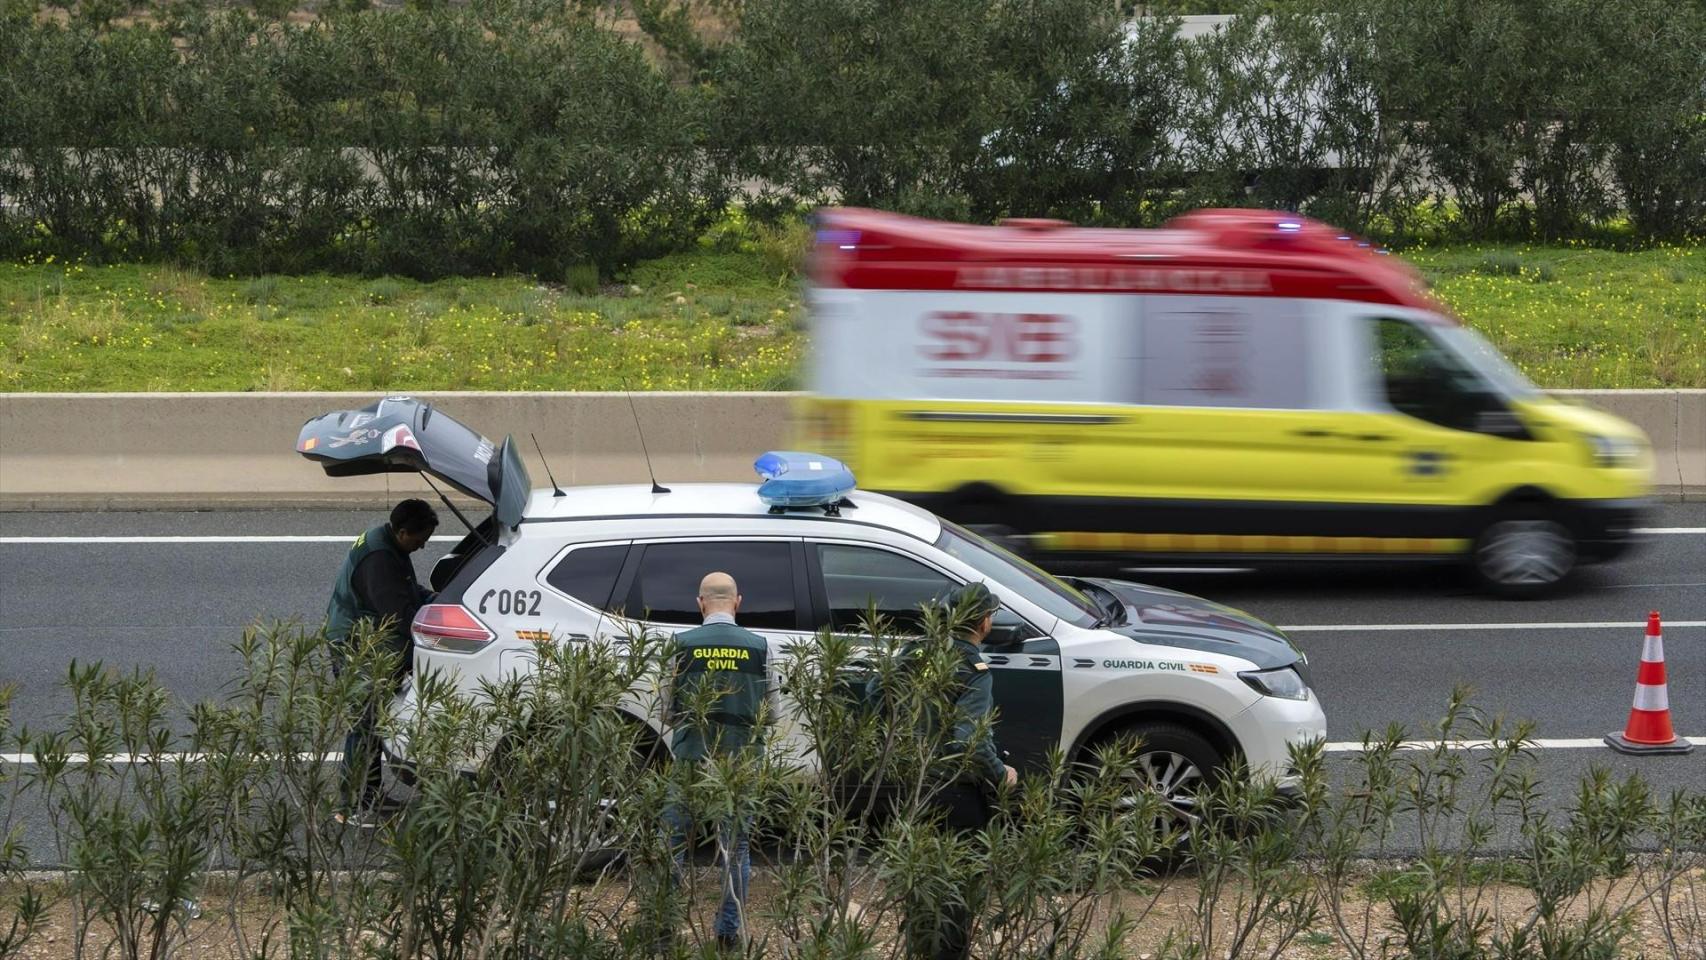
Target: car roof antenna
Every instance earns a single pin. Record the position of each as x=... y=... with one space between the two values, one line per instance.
x=656 y=487
x=471 y=528
x=556 y=491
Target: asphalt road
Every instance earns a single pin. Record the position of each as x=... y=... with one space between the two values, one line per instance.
x=177 y=607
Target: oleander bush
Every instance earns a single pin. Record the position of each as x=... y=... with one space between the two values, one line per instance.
x=534 y=828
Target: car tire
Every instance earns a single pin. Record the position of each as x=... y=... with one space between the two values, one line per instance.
x=1178 y=763
x=1524 y=554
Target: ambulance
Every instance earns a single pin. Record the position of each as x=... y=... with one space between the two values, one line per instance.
x=1237 y=387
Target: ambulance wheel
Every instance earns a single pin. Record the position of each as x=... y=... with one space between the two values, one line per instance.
x=1524 y=555
x=1177 y=765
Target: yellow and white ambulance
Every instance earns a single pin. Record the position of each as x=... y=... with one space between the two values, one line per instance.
x=1237 y=386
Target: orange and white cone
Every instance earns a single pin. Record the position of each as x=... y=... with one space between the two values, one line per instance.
x=1649 y=729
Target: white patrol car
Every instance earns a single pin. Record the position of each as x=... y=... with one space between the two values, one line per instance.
x=1075 y=661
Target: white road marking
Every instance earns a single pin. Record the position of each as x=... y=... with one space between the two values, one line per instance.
x=1411 y=746
x=1421 y=627
x=29 y=759
x=1335 y=746
x=344 y=538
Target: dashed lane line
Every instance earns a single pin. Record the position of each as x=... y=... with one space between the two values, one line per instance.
x=1413 y=746
x=1426 y=627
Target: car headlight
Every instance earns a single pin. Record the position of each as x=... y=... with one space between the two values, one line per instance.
x=1284 y=683
x=1614 y=451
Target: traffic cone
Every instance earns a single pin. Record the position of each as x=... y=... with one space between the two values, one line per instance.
x=1649 y=729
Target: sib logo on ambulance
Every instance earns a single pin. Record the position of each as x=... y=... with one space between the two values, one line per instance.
x=997 y=345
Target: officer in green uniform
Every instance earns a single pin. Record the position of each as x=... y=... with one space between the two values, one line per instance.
x=717 y=699
x=376 y=585
x=972 y=768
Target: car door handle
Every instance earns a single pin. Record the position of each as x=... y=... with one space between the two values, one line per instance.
x=1374 y=437
x=1312 y=433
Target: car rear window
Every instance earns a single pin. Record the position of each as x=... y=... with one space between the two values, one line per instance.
x=589 y=573
x=666 y=586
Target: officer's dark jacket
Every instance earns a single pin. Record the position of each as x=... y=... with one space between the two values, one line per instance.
x=725 y=669
x=376 y=581
x=974 y=701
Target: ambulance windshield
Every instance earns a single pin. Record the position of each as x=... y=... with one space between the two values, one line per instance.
x=1018 y=575
x=1486 y=360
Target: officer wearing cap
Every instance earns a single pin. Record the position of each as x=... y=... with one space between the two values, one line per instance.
x=976 y=701
x=978 y=771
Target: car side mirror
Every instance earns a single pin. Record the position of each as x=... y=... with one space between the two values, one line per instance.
x=1010 y=636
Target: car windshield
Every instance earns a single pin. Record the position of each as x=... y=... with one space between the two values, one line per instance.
x=1020 y=576
x=1485 y=359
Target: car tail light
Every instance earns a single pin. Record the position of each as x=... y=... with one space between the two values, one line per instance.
x=450 y=627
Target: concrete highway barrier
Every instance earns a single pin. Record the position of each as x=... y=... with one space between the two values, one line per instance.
x=165 y=450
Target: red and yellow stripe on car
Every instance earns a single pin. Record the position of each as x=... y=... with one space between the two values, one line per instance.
x=1089 y=541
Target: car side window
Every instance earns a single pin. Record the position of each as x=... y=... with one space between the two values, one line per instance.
x=857 y=578
x=589 y=573
x=665 y=588
x=1423 y=380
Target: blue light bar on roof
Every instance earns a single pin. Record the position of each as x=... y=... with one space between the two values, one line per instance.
x=794 y=479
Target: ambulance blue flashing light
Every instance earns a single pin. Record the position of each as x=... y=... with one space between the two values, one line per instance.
x=796 y=479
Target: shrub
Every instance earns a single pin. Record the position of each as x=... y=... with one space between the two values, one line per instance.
x=1501 y=265
x=1653 y=110
x=418 y=141
x=384 y=290
x=24 y=904
x=533 y=825
x=582 y=279
x=261 y=290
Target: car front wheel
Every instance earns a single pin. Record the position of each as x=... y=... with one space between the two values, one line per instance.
x=1177 y=766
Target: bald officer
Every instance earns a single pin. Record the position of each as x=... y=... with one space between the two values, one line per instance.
x=716 y=702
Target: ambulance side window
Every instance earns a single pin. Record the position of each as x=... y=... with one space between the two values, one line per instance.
x=1243 y=352
x=1419 y=378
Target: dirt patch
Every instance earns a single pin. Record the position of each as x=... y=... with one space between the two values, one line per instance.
x=234 y=925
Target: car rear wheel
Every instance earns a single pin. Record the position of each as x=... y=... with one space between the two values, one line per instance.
x=1525 y=555
x=605 y=848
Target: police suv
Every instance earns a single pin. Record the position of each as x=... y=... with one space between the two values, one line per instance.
x=1075 y=661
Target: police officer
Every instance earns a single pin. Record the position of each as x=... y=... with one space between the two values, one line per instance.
x=716 y=703
x=977 y=771
x=376 y=585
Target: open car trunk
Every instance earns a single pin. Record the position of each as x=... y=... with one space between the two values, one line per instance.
x=404 y=435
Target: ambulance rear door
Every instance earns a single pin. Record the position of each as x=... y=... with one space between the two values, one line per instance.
x=978 y=387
